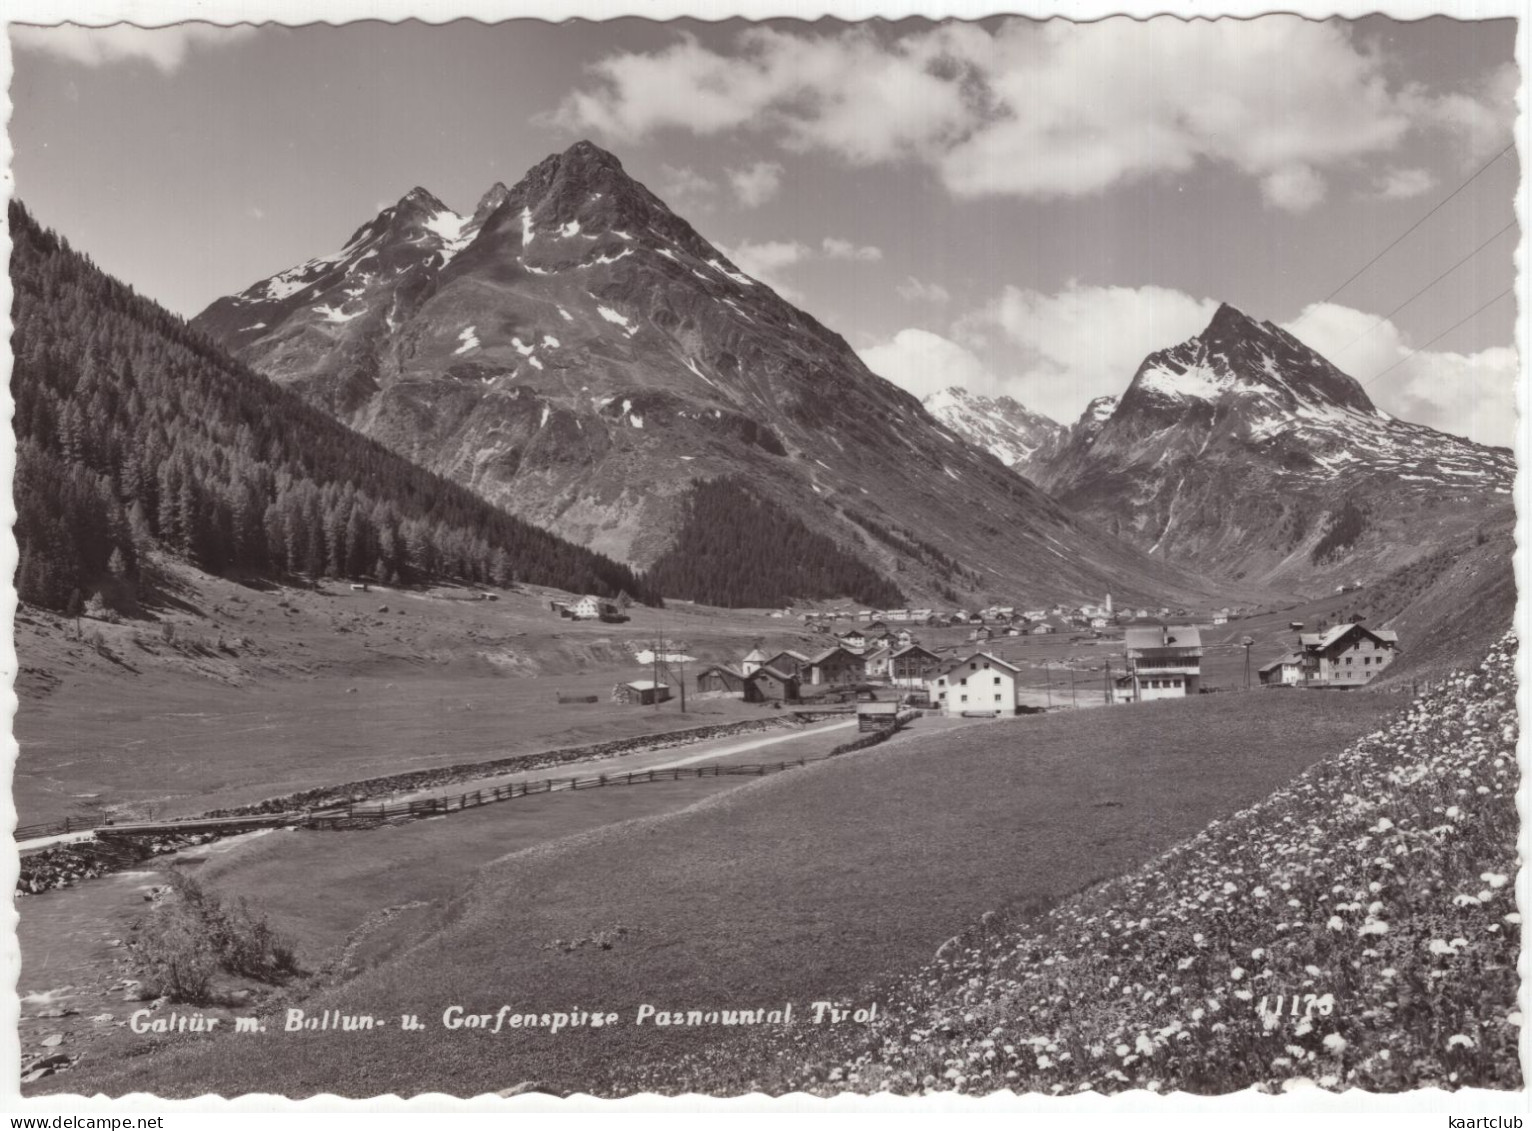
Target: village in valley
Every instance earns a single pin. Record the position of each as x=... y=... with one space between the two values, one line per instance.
x=914 y=538
x=932 y=660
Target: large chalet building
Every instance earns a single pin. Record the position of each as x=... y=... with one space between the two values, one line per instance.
x=1164 y=662
x=1347 y=655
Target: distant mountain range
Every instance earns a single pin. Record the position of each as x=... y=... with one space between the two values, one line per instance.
x=575 y=352
x=1245 y=454
x=1002 y=426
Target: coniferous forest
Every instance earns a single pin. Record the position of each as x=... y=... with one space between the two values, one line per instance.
x=738 y=550
x=134 y=433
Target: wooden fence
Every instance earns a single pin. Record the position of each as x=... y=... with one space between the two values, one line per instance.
x=360 y=814
x=57 y=828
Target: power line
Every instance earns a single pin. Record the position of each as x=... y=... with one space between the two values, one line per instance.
x=1400 y=238
x=1426 y=288
x=1440 y=336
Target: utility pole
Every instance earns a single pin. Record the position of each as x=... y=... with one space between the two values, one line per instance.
x=681 y=679
x=656 y=680
x=1108 y=687
x=1247 y=641
x=1073 y=702
x=1048 y=683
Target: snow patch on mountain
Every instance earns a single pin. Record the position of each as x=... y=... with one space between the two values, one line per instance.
x=470 y=340
x=742 y=280
x=621 y=320
x=336 y=314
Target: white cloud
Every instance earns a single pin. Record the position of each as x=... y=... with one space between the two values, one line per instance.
x=166 y=48
x=1283 y=100
x=921 y=362
x=835 y=248
x=1471 y=395
x=913 y=290
x=1082 y=342
x=686 y=188
x=1296 y=188
x=755 y=185
x=769 y=260
x=1401 y=184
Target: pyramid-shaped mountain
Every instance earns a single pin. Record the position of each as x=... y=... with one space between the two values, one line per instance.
x=1244 y=453
x=578 y=353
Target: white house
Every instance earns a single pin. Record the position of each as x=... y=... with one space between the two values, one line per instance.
x=586 y=608
x=753 y=661
x=977 y=684
x=1164 y=661
x=1284 y=671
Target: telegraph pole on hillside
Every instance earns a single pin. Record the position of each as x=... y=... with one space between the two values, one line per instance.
x=1247 y=641
x=681 y=679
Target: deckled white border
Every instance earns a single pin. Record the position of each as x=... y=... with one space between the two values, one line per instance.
x=1145 y=1109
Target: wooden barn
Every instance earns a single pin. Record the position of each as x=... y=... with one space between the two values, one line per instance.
x=720 y=679
x=768 y=684
x=836 y=665
x=913 y=666
x=789 y=663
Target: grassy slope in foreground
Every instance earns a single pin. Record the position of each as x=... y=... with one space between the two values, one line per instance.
x=1376 y=887
x=802 y=886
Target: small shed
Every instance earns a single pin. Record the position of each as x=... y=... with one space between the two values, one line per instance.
x=644 y=692
x=877 y=716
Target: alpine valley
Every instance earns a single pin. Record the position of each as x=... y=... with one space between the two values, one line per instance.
x=1244 y=453
x=575 y=352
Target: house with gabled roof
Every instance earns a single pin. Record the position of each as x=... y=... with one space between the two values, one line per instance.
x=875 y=661
x=789 y=663
x=978 y=683
x=753 y=660
x=720 y=679
x=1285 y=671
x=768 y=684
x=836 y=665
x=1346 y=655
x=912 y=666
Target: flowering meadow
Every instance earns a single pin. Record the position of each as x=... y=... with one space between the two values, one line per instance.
x=1358 y=928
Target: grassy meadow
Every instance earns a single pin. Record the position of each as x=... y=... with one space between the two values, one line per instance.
x=818 y=883
x=1356 y=929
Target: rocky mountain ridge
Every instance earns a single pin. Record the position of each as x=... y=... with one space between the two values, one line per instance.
x=1244 y=452
x=578 y=353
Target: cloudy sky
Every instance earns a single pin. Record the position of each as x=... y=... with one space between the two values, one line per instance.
x=1013 y=206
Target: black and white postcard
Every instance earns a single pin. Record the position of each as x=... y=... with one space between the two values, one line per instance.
x=917 y=557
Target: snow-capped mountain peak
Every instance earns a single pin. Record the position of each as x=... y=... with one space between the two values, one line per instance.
x=578 y=353
x=1242 y=447
x=1001 y=425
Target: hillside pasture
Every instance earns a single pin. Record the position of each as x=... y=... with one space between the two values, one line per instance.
x=252 y=693
x=814 y=884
